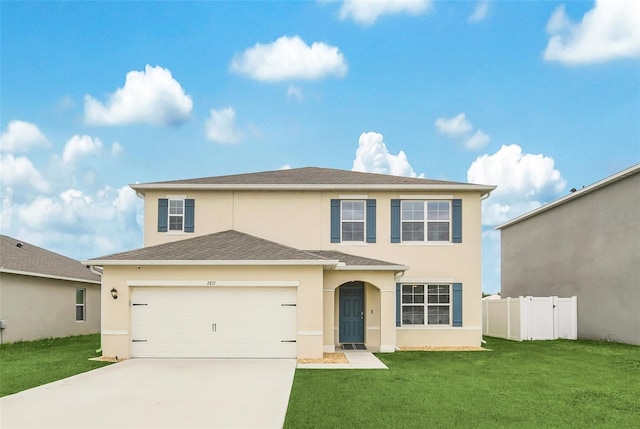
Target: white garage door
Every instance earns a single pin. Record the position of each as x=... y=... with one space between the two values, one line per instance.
x=239 y=322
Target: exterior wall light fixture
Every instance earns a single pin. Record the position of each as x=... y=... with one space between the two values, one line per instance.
x=114 y=293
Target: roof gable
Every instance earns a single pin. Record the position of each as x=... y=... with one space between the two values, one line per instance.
x=20 y=257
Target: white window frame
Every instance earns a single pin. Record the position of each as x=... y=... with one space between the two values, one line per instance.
x=425 y=221
x=426 y=304
x=363 y=221
x=178 y=215
x=82 y=305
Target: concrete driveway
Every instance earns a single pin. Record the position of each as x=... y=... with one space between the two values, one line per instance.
x=159 y=393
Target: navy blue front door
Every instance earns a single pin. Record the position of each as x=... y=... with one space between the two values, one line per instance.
x=352 y=313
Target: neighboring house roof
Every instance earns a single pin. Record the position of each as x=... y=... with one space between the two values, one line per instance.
x=311 y=178
x=233 y=248
x=635 y=169
x=20 y=257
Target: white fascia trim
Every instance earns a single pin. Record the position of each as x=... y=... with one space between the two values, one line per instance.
x=577 y=194
x=371 y=268
x=216 y=283
x=316 y=187
x=146 y=262
x=47 y=276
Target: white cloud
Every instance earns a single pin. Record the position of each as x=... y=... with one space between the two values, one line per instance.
x=76 y=224
x=610 y=30
x=151 y=96
x=477 y=141
x=116 y=149
x=290 y=58
x=221 y=128
x=21 y=136
x=366 y=12
x=454 y=127
x=285 y=167
x=480 y=11
x=372 y=156
x=525 y=181
x=459 y=127
x=79 y=147
x=19 y=172
x=294 y=92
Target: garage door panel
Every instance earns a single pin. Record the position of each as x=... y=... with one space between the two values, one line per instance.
x=213 y=322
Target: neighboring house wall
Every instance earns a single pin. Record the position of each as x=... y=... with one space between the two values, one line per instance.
x=588 y=247
x=37 y=307
x=301 y=219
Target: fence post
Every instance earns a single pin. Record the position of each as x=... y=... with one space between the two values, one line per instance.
x=574 y=317
x=554 y=303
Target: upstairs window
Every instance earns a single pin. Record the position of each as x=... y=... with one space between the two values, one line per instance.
x=426 y=220
x=352 y=217
x=176 y=215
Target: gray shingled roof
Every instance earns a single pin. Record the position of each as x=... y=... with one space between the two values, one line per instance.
x=233 y=245
x=306 y=176
x=20 y=256
x=220 y=246
x=351 y=259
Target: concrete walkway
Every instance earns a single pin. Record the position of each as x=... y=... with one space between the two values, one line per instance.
x=159 y=393
x=357 y=360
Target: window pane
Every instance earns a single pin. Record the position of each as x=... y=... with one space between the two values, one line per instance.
x=353 y=210
x=175 y=223
x=407 y=288
x=176 y=207
x=413 y=210
x=79 y=296
x=412 y=315
x=438 y=231
x=79 y=312
x=438 y=210
x=412 y=231
x=438 y=315
x=352 y=231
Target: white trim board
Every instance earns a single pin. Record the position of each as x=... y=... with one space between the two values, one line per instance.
x=213 y=283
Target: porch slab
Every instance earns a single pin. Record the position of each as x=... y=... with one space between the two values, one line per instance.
x=357 y=360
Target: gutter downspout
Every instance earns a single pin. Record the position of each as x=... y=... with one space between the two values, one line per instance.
x=99 y=274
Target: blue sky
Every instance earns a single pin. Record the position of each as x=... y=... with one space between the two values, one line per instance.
x=535 y=97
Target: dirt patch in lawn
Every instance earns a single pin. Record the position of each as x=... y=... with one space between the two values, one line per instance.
x=444 y=349
x=327 y=358
x=105 y=359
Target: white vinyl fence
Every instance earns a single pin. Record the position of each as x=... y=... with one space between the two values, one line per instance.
x=530 y=318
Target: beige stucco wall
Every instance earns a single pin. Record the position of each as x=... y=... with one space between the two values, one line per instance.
x=588 y=247
x=36 y=308
x=116 y=325
x=302 y=220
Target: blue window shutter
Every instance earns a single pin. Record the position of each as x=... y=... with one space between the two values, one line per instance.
x=398 y=305
x=395 y=221
x=456 y=214
x=457 y=304
x=371 y=221
x=163 y=214
x=189 y=214
x=335 y=221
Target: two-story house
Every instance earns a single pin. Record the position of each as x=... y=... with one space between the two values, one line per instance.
x=292 y=263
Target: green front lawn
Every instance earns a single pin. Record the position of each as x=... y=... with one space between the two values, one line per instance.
x=530 y=384
x=28 y=364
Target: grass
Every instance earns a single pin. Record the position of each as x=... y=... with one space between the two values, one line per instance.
x=533 y=384
x=28 y=364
